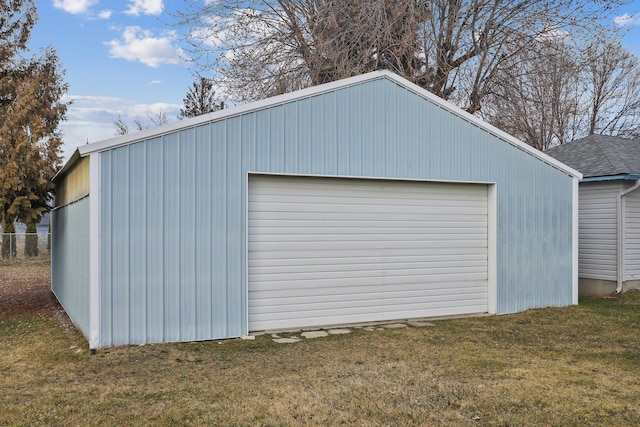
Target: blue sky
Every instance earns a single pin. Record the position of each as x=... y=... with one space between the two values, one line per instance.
x=121 y=58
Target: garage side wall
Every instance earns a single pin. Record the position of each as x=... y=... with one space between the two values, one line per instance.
x=173 y=208
x=70 y=260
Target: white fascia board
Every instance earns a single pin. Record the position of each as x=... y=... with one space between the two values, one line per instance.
x=317 y=90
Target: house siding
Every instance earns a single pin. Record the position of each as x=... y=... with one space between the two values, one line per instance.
x=70 y=260
x=173 y=207
x=597 y=247
x=632 y=235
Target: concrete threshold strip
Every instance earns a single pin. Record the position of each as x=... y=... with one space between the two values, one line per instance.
x=296 y=335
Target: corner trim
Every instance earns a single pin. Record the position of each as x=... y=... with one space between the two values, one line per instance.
x=575 y=241
x=94 y=251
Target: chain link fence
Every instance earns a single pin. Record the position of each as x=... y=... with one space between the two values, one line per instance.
x=24 y=245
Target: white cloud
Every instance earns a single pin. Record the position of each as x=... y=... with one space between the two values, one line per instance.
x=90 y=118
x=155 y=82
x=74 y=6
x=104 y=14
x=140 y=45
x=627 y=20
x=145 y=7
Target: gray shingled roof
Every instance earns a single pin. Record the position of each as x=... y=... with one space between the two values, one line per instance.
x=600 y=155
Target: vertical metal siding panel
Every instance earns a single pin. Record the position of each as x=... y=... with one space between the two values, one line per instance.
x=258 y=148
x=355 y=131
x=290 y=137
x=276 y=135
x=219 y=234
x=70 y=260
x=435 y=139
x=236 y=295
x=106 y=259
x=390 y=140
x=330 y=154
x=254 y=141
x=203 y=222
x=317 y=135
x=305 y=154
x=171 y=227
x=402 y=133
x=366 y=127
x=187 y=226
x=120 y=232
x=155 y=242
x=422 y=123
x=455 y=149
x=137 y=243
x=372 y=141
x=342 y=133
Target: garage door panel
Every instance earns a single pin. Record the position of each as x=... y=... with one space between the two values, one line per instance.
x=361 y=306
x=372 y=281
x=391 y=235
x=325 y=251
x=354 y=293
x=344 y=189
x=366 y=215
x=398 y=255
x=346 y=316
x=387 y=247
x=364 y=265
x=271 y=279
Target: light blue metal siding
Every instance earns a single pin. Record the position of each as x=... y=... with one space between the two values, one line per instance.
x=70 y=260
x=183 y=195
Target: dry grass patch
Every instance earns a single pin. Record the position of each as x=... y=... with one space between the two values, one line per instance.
x=557 y=366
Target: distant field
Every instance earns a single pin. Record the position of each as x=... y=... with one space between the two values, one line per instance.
x=558 y=366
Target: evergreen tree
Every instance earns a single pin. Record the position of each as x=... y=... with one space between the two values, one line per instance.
x=200 y=99
x=30 y=111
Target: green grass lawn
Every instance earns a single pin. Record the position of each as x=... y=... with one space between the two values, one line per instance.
x=556 y=366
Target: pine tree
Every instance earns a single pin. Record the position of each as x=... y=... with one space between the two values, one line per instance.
x=30 y=111
x=200 y=99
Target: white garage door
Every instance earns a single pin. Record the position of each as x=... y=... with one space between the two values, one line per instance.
x=326 y=251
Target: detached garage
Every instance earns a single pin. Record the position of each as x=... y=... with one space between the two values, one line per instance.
x=366 y=199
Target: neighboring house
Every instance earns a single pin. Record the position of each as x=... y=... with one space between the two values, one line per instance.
x=609 y=238
x=366 y=199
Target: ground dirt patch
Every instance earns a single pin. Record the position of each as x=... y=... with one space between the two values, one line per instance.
x=557 y=366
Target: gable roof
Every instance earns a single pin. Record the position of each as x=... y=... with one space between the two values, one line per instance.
x=85 y=150
x=600 y=156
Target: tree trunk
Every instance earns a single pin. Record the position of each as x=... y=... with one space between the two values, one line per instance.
x=31 y=241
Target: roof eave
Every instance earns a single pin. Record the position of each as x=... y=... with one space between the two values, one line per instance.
x=630 y=176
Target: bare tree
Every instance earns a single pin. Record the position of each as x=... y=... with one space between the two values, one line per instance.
x=453 y=48
x=613 y=77
x=157 y=119
x=121 y=127
x=536 y=95
x=153 y=120
x=561 y=91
